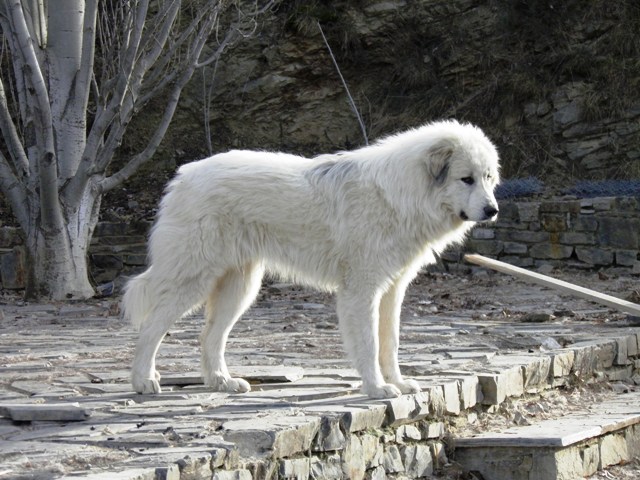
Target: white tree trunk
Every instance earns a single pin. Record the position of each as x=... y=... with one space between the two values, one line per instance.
x=58 y=256
x=69 y=104
x=57 y=167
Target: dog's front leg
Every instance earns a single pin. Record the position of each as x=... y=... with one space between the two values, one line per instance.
x=389 y=331
x=358 y=314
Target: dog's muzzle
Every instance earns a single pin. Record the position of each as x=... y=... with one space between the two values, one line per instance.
x=490 y=211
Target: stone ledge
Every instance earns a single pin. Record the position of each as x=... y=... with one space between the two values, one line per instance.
x=311 y=436
x=572 y=446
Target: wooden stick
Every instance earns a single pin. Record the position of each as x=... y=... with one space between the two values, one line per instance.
x=613 y=302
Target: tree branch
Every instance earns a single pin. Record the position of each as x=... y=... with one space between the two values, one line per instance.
x=11 y=137
x=236 y=31
x=165 y=61
x=150 y=75
x=116 y=94
x=125 y=89
x=45 y=163
x=138 y=160
x=74 y=186
x=228 y=40
x=88 y=50
x=346 y=87
x=17 y=62
x=156 y=38
x=15 y=192
x=36 y=19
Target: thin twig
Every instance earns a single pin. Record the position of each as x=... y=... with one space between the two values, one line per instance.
x=207 y=93
x=344 y=83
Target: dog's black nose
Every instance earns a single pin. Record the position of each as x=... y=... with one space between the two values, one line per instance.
x=490 y=211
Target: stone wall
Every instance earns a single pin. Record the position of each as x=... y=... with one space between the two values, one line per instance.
x=583 y=233
x=12 y=259
x=118 y=249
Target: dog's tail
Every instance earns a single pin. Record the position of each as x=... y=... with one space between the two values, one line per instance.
x=136 y=302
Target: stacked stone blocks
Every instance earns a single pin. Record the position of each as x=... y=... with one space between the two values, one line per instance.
x=405 y=437
x=583 y=233
x=579 y=232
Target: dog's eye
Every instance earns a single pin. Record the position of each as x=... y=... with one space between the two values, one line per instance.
x=468 y=180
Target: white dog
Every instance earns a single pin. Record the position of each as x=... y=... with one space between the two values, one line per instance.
x=361 y=223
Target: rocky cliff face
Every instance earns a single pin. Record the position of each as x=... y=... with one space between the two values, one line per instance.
x=555 y=84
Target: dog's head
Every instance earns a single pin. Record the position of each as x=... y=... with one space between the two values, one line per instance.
x=463 y=163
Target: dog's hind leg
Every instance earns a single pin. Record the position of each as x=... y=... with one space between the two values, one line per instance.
x=144 y=376
x=167 y=301
x=169 y=305
x=232 y=294
x=389 y=332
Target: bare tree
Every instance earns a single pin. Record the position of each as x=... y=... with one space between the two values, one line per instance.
x=74 y=75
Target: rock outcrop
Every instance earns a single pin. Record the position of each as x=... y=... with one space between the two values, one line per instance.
x=556 y=85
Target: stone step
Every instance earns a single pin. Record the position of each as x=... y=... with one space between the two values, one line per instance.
x=573 y=446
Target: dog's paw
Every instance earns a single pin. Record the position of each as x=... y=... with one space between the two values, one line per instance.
x=238 y=385
x=386 y=390
x=408 y=386
x=146 y=385
x=229 y=384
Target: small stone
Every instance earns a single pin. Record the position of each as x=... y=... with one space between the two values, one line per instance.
x=326 y=469
x=353 y=464
x=362 y=417
x=590 y=460
x=232 y=475
x=520 y=420
x=536 y=317
x=330 y=437
x=562 y=363
x=613 y=450
x=13 y=268
x=295 y=468
x=620 y=387
x=378 y=473
x=407 y=432
x=434 y=430
x=417 y=461
x=498 y=386
x=392 y=462
x=196 y=466
x=550 y=343
x=371 y=450
x=400 y=409
x=438 y=455
x=546 y=269
x=483 y=233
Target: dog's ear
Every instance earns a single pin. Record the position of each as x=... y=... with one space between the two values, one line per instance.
x=438 y=157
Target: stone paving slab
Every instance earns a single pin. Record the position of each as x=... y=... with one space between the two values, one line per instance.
x=609 y=416
x=58 y=412
x=305 y=417
x=573 y=446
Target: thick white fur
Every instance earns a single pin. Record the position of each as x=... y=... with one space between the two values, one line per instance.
x=361 y=223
